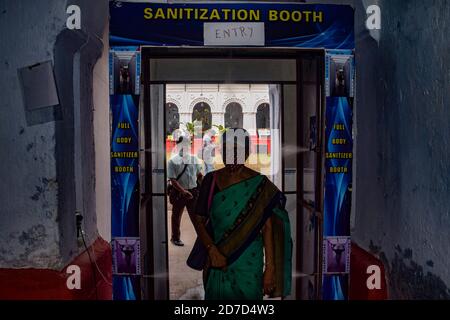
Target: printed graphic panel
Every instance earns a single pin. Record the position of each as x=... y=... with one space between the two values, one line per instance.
x=124 y=71
x=335 y=287
x=339 y=90
x=126 y=256
x=336 y=255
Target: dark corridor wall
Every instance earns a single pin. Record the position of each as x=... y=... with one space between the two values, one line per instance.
x=38 y=193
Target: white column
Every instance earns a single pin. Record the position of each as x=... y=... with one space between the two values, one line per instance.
x=184 y=118
x=217 y=118
x=250 y=122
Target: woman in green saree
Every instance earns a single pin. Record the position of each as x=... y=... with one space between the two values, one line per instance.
x=243 y=228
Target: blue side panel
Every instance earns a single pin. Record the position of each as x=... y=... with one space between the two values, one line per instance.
x=335 y=287
x=338 y=186
x=124 y=183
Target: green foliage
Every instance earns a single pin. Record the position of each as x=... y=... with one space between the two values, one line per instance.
x=190 y=127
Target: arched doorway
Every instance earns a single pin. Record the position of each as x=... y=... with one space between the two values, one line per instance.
x=263 y=117
x=202 y=112
x=233 y=116
x=172 y=118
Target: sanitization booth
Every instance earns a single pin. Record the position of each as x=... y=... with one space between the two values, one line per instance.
x=304 y=54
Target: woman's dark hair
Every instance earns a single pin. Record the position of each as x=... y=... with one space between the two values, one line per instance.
x=235 y=146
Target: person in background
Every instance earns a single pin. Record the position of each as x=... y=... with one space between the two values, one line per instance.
x=208 y=151
x=184 y=172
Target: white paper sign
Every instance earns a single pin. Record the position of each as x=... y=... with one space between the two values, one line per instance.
x=234 y=34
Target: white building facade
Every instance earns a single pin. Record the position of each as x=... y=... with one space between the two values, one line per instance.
x=229 y=105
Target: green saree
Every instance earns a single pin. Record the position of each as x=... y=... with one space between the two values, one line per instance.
x=237 y=215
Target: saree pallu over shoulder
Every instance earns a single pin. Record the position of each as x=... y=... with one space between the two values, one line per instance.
x=265 y=201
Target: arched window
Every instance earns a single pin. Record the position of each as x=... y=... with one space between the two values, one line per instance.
x=202 y=112
x=263 y=116
x=172 y=118
x=233 y=116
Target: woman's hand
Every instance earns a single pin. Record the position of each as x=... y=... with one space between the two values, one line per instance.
x=218 y=260
x=188 y=195
x=269 y=272
x=269 y=281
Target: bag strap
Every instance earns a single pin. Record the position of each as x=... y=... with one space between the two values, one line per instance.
x=184 y=169
x=211 y=191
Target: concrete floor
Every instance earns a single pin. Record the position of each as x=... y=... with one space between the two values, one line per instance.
x=184 y=282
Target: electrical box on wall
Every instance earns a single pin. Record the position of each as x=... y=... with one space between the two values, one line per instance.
x=38 y=86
